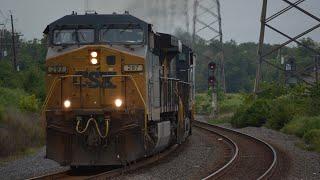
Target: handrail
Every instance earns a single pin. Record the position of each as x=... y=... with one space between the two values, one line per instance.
x=45 y=103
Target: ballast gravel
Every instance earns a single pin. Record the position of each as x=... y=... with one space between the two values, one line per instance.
x=30 y=166
x=195 y=159
x=198 y=157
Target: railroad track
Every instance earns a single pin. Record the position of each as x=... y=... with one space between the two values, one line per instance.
x=246 y=158
x=251 y=158
x=100 y=174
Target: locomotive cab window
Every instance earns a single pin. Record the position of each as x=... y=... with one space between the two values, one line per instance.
x=64 y=37
x=85 y=36
x=72 y=36
x=122 y=36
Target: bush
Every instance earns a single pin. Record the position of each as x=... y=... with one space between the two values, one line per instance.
x=1 y=113
x=230 y=103
x=272 y=91
x=203 y=104
x=29 y=103
x=315 y=100
x=10 y=97
x=254 y=115
x=299 y=126
x=312 y=137
x=19 y=131
x=282 y=111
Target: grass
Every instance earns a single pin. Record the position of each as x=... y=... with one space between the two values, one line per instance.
x=230 y=103
x=19 y=131
x=228 y=106
x=307 y=128
x=19 y=155
x=221 y=119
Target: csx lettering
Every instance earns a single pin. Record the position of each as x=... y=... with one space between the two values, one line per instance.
x=94 y=79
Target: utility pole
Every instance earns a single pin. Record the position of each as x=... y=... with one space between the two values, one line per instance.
x=186 y=14
x=260 y=47
x=13 y=44
x=317 y=62
x=1 y=42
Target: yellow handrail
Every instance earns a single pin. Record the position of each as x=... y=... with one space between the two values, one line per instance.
x=50 y=92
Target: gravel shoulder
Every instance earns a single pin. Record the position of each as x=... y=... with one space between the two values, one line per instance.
x=197 y=157
x=201 y=154
x=30 y=166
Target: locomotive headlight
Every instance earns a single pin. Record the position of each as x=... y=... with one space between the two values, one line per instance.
x=67 y=104
x=94 y=61
x=118 y=102
x=94 y=54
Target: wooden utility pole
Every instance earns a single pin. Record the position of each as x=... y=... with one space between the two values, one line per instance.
x=13 y=44
x=260 y=48
x=317 y=60
x=1 y=42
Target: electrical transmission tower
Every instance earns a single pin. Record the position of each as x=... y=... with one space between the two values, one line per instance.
x=265 y=23
x=207 y=25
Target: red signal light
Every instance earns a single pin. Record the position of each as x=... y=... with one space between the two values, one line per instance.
x=212 y=80
x=212 y=66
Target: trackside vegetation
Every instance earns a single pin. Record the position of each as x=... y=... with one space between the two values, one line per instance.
x=292 y=110
x=21 y=96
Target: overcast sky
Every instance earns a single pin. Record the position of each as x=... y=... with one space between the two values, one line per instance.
x=240 y=17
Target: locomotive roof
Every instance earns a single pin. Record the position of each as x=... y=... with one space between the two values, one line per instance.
x=96 y=20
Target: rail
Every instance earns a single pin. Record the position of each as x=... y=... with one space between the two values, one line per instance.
x=68 y=174
x=267 y=174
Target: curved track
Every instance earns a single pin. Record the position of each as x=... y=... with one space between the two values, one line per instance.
x=252 y=158
x=245 y=157
x=104 y=174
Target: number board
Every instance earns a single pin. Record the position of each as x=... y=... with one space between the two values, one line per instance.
x=133 y=68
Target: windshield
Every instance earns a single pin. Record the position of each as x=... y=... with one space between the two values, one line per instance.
x=73 y=36
x=64 y=37
x=85 y=35
x=126 y=36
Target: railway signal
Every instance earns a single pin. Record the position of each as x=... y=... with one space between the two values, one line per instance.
x=212 y=79
x=212 y=66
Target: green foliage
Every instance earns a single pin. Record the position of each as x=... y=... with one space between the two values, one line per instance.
x=11 y=97
x=252 y=115
x=312 y=137
x=272 y=90
x=29 y=104
x=281 y=112
x=299 y=126
x=1 y=113
x=230 y=103
x=315 y=100
x=203 y=104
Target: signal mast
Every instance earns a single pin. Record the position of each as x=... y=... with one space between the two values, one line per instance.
x=212 y=66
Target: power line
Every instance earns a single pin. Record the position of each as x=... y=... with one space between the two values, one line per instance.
x=263 y=54
x=211 y=23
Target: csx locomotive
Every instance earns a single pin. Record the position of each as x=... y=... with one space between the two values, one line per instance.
x=116 y=90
